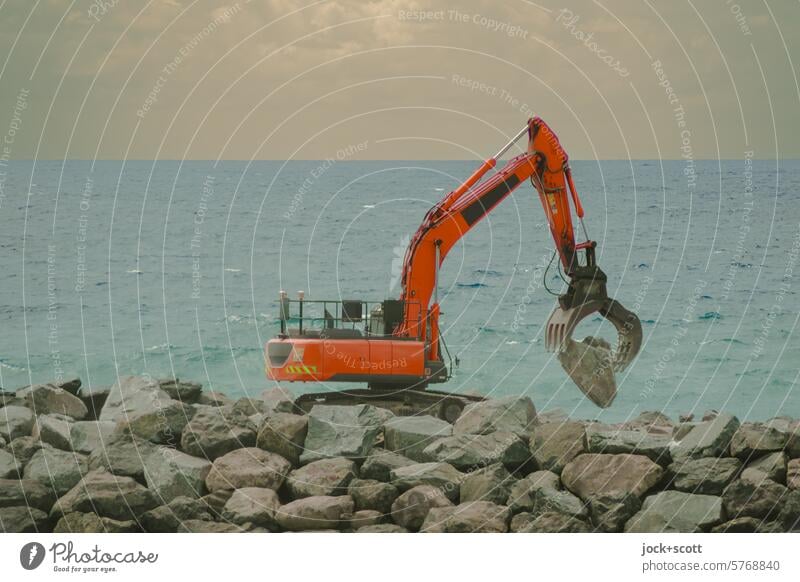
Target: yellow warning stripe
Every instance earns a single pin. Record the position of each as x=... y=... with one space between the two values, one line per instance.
x=301 y=369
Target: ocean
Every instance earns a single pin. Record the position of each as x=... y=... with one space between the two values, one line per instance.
x=174 y=268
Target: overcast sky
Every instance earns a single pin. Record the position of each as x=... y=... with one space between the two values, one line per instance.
x=280 y=79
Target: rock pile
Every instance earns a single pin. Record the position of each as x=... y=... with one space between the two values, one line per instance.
x=165 y=456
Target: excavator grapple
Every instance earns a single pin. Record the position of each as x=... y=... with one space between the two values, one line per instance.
x=395 y=346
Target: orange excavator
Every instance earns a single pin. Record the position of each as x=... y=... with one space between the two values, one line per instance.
x=395 y=346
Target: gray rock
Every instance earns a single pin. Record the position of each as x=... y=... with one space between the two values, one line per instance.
x=443 y=476
x=708 y=475
x=793 y=441
x=710 y=438
x=738 y=525
x=369 y=494
x=57 y=469
x=18 y=493
x=773 y=465
x=8 y=465
x=284 y=434
x=379 y=464
x=122 y=455
x=610 y=513
x=409 y=435
x=472 y=517
x=523 y=492
x=315 y=513
x=492 y=483
x=382 y=528
x=753 y=496
x=23 y=520
x=213 y=398
x=553 y=522
x=754 y=440
x=366 y=518
x=793 y=474
x=469 y=452
x=789 y=516
x=23 y=449
x=256 y=505
x=250 y=467
x=592 y=474
x=689 y=510
x=167 y=518
x=323 y=477
x=162 y=425
x=49 y=399
x=555 y=444
x=636 y=442
x=214 y=432
x=521 y=521
x=77 y=522
x=170 y=474
x=88 y=435
x=53 y=429
x=651 y=421
x=215 y=502
x=658 y=523
x=181 y=390
x=546 y=500
x=515 y=414
x=278 y=399
x=590 y=365
x=342 y=431
x=412 y=507
x=107 y=495
x=200 y=526
x=15 y=421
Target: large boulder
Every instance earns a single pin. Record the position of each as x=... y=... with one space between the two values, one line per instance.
x=18 y=493
x=181 y=390
x=773 y=465
x=277 y=399
x=793 y=440
x=604 y=439
x=515 y=414
x=60 y=470
x=366 y=517
x=554 y=522
x=592 y=474
x=23 y=449
x=658 y=523
x=323 y=477
x=547 y=499
x=50 y=399
x=555 y=444
x=77 y=522
x=469 y=451
x=372 y=494
x=753 y=495
x=170 y=474
x=710 y=438
x=789 y=516
x=382 y=528
x=214 y=432
x=411 y=508
x=15 y=421
x=707 y=475
x=88 y=435
x=589 y=363
x=492 y=483
x=8 y=465
x=107 y=495
x=250 y=467
x=122 y=455
x=167 y=518
x=793 y=474
x=210 y=527
x=755 y=439
x=256 y=505
x=443 y=476
x=284 y=434
x=23 y=520
x=523 y=492
x=610 y=513
x=409 y=435
x=472 y=517
x=53 y=429
x=680 y=511
x=315 y=513
x=342 y=431
x=379 y=464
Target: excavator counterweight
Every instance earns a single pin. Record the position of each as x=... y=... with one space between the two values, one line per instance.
x=395 y=346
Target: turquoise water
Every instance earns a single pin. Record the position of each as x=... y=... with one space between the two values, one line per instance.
x=174 y=268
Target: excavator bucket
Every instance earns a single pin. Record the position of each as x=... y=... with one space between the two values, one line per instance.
x=592 y=363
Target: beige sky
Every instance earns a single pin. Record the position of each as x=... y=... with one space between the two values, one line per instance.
x=278 y=79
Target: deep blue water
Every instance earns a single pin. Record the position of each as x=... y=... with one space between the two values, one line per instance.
x=174 y=268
